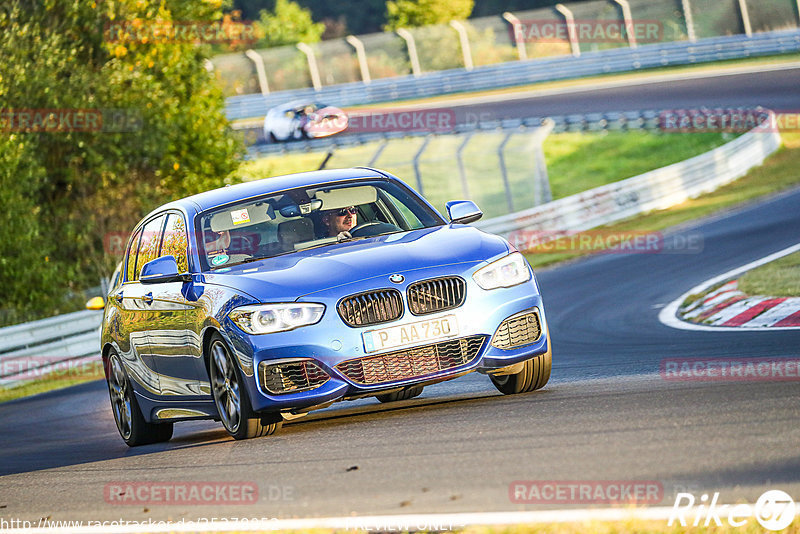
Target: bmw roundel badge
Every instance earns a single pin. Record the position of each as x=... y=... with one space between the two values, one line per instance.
x=397 y=278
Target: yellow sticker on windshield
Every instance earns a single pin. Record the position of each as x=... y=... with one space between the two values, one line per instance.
x=240 y=216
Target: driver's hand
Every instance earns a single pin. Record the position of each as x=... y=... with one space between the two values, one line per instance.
x=343 y=236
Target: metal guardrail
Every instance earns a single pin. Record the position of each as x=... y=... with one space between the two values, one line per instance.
x=523 y=72
x=29 y=349
x=654 y=190
x=588 y=122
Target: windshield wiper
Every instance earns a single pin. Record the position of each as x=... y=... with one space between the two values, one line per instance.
x=254 y=258
x=258 y=258
x=344 y=239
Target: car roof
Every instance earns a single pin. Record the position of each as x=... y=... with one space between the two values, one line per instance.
x=225 y=195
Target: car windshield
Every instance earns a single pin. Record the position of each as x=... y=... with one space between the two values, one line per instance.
x=301 y=218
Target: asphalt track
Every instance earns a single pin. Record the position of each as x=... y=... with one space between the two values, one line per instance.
x=606 y=415
x=777 y=90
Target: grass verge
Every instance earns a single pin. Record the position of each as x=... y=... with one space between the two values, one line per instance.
x=780 y=278
x=778 y=173
x=55 y=380
x=576 y=162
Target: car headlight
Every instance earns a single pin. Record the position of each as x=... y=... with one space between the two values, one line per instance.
x=269 y=318
x=506 y=272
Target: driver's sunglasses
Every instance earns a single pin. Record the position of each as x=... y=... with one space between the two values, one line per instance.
x=352 y=210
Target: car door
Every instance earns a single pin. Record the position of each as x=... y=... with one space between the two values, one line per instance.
x=133 y=304
x=175 y=347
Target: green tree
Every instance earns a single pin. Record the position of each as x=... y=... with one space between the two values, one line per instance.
x=287 y=24
x=79 y=186
x=412 y=13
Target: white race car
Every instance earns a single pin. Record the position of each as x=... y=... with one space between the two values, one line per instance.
x=303 y=119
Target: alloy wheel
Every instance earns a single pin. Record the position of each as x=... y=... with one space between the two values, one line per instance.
x=120 y=397
x=225 y=385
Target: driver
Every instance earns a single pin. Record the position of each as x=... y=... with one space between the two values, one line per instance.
x=217 y=242
x=341 y=221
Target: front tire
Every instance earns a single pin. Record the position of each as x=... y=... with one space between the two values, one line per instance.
x=231 y=398
x=403 y=394
x=131 y=424
x=534 y=374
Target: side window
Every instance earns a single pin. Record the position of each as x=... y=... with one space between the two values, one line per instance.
x=175 y=241
x=150 y=243
x=130 y=259
x=412 y=221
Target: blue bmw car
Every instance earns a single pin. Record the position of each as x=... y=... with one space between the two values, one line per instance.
x=257 y=303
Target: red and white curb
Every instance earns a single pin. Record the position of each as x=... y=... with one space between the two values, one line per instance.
x=727 y=308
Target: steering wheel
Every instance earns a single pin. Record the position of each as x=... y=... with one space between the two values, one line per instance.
x=354 y=231
x=245 y=245
x=384 y=227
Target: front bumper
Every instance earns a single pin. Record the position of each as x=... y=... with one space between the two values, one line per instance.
x=330 y=343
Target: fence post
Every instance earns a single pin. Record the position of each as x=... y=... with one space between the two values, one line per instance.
x=504 y=172
x=748 y=30
x=628 y=20
x=461 y=171
x=412 y=50
x=465 y=49
x=687 y=15
x=256 y=58
x=519 y=37
x=328 y=157
x=573 y=34
x=312 y=65
x=362 y=57
x=542 y=190
x=378 y=153
x=417 y=174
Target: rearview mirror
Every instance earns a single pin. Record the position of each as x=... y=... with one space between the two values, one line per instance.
x=463 y=211
x=160 y=270
x=295 y=210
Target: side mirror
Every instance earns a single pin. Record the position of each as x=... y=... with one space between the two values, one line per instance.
x=160 y=270
x=96 y=303
x=463 y=211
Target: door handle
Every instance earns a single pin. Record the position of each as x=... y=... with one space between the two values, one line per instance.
x=148 y=299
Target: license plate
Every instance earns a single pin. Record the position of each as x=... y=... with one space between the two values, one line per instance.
x=411 y=333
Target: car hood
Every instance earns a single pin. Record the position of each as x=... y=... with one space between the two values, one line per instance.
x=291 y=276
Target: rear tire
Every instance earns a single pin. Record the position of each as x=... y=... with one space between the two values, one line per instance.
x=405 y=393
x=131 y=424
x=534 y=375
x=231 y=398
